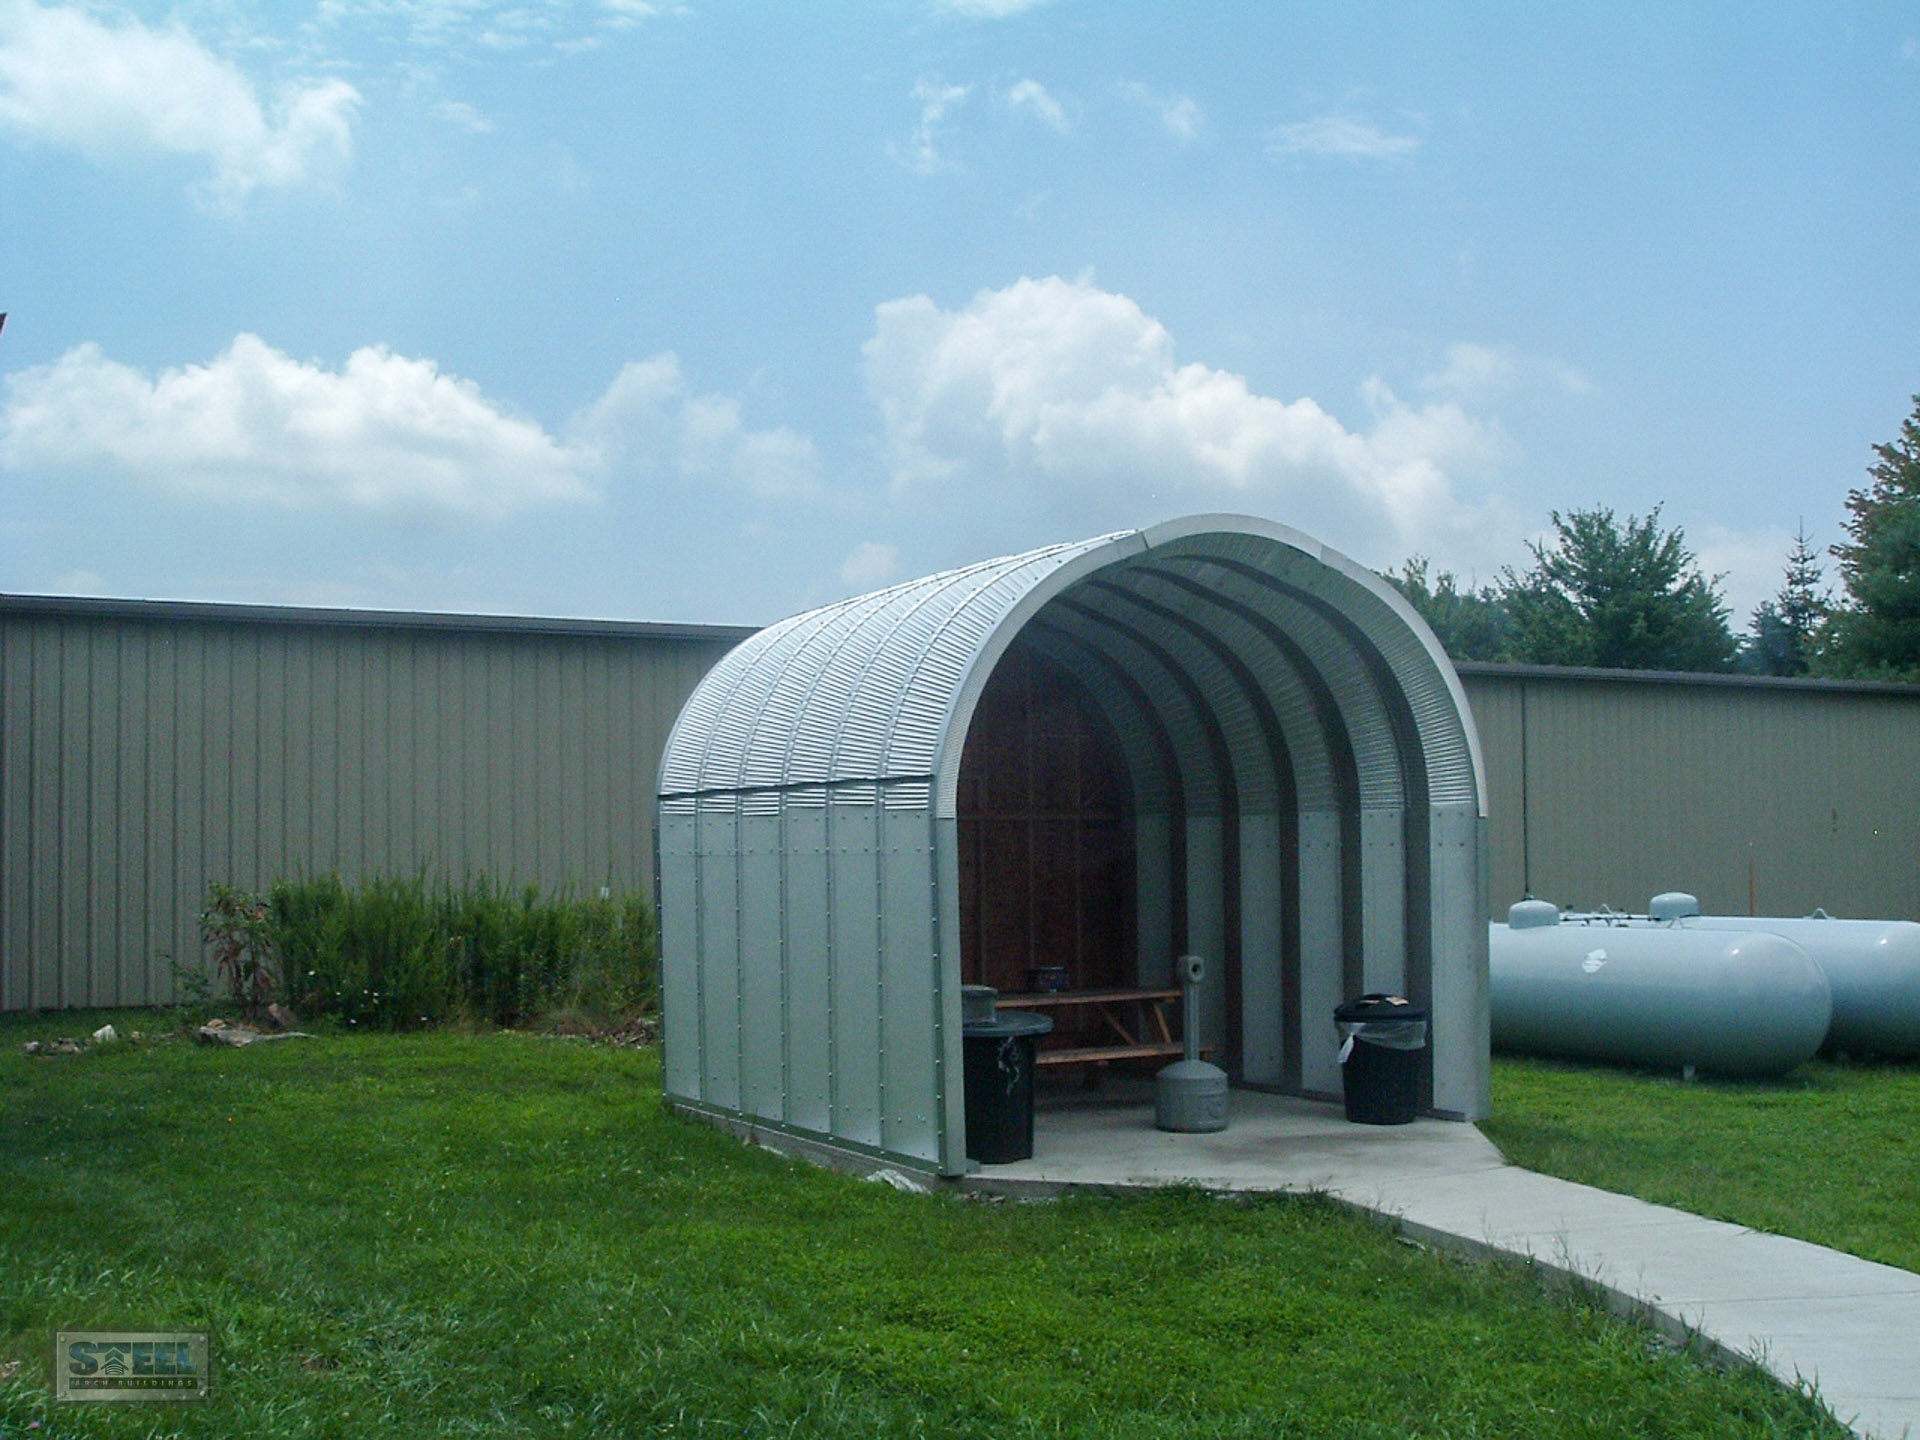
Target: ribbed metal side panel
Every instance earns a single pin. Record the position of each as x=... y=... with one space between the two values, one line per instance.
x=1262 y=1056
x=810 y=962
x=859 y=978
x=912 y=1026
x=1153 y=897
x=1383 y=902
x=802 y=982
x=1459 y=1029
x=1322 y=952
x=765 y=1022
x=1207 y=920
x=681 y=957
x=717 y=904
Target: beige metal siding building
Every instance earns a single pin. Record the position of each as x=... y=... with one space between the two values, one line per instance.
x=1760 y=796
x=147 y=749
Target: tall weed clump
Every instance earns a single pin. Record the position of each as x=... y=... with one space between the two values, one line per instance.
x=393 y=953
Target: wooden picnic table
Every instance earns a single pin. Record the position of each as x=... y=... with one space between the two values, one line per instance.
x=1133 y=1023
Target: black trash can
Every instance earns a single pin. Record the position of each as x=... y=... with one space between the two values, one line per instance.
x=999 y=1085
x=1381 y=1037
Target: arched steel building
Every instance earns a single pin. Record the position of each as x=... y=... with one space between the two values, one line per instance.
x=1215 y=735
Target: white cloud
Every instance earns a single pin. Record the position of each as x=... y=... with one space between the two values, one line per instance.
x=535 y=30
x=1483 y=372
x=1058 y=394
x=1751 y=564
x=871 y=565
x=1910 y=51
x=987 y=9
x=386 y=433
x=1341 y=135
x=921 y=153
x=647 y=420
x=80 y=582
x=108 y=92
x=458 y=112
x=1179 y=115
x=625 y=14
x=1031 y=97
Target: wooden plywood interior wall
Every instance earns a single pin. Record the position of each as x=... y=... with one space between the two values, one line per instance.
x=1046 y=834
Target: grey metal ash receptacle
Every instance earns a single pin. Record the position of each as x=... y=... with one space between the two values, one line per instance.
x=1190 y=1095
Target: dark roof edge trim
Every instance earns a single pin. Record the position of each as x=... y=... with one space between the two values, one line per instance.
x=1585 y=673
x=209 y=612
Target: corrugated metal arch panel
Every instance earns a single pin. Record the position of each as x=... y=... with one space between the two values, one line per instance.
x=708 y=714
x=1142 y=742
x=1250 y=736
x=1167 y=687
x=781 y=747
x=1395 y=636
x=1441 y=715
x=1354 y=686
x=1307 y=716
x=858 y=691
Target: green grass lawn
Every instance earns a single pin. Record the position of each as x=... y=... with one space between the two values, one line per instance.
x=1830 y=1153
x=501 y=1235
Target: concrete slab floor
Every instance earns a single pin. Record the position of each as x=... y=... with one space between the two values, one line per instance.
x=1809 y=1314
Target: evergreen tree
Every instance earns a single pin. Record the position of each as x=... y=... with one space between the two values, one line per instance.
x=1784 y=635
x=1620 y=597
x=1470 y=624
x=1876 y=633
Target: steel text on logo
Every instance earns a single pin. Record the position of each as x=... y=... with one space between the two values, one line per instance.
x=131 y=1365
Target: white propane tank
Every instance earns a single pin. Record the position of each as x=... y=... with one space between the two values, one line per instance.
x=1873 y=967
x=1656 y=995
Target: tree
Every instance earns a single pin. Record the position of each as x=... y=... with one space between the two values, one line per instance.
x=1621 y=597
x=1470 y=624
x=1784 y=634
x=1876 y=633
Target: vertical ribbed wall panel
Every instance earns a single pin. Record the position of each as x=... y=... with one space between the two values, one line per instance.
x=1608 y=790
x=1323 y=948
x=808 y=941
x=858 y=983
x=144 y=757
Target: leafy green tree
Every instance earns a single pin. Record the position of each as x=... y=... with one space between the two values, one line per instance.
x=1618 y=596
x=1876 y=632
x=1470 y=624
x=1784 y=635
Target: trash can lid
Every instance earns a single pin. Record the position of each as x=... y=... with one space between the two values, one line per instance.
x=976 y=1004
x=1008 y=1025
x=1380 y=1007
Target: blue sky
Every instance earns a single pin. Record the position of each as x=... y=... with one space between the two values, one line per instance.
x=717 y=311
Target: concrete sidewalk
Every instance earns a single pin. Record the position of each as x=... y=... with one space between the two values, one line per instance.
x=1807 y=1313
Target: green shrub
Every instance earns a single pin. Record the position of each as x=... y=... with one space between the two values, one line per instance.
x=398 y=953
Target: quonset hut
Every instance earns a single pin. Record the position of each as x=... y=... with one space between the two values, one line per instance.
x=1213 y=736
